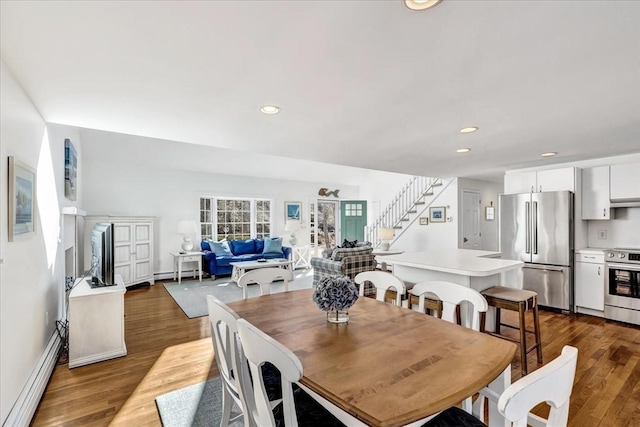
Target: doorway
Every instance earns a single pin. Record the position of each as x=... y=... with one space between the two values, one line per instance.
x=324 y=225
x=471 y=235
x=353 y=219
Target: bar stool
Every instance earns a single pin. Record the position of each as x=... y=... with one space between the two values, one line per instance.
x=519 y=300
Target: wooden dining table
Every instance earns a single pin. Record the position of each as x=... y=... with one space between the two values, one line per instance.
x=388 y=366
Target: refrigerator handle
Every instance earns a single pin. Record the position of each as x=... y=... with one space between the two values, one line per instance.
x=535 y=227
x=527 y=245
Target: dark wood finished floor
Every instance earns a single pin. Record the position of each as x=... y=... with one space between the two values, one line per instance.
x=168 y=351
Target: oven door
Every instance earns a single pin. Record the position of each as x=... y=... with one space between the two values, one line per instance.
x=622 y=285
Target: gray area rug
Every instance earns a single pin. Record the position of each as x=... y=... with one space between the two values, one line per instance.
x=197 y=405
x=191 y=296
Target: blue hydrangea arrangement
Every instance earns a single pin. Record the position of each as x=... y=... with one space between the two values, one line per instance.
x=335 y=293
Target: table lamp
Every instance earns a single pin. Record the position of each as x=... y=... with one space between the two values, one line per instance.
x=292 y=225
x=187 y=228
x=386 y=236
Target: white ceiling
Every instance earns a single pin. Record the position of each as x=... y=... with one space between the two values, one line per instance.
x=369 y=84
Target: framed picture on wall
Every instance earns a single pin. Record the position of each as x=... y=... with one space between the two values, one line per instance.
x=70 y=170
x=293 y=210
x=437 y=214
x=22 y=200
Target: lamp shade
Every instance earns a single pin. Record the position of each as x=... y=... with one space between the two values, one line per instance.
x=292 y=225
x=187 y=226
x=386 y=233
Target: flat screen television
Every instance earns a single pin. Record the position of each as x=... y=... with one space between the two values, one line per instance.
x=102 y=255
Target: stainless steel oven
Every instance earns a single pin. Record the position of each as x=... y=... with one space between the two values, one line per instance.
x=622 y=285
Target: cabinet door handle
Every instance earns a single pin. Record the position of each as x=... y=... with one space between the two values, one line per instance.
x=533 y=189
x=541 y=189
x=604 y=212
x=598 y=271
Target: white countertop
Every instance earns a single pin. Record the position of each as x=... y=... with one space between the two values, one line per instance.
x=591 y=251
x=465 y=262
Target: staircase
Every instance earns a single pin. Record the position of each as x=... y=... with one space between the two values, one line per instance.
x=407 y=207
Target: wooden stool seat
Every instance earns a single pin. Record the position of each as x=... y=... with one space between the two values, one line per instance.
x=520 y=300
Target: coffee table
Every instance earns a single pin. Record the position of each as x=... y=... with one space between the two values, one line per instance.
x=239 y=268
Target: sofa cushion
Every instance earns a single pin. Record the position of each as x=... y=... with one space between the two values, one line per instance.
x=223 y=261
x=220 y=248
x=259 y=246
x=246 y=257
x=204 y=245
x=273 y=245
x=241 y=247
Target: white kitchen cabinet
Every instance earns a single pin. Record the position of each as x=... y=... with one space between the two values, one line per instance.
x=625 y=182
x=133 y=247
x=589 y=282
x=595 y=193
x=539 y=181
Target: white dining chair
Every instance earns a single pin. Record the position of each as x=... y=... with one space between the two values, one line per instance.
x=383 y=281
x=224 y=331
x=452 y=295
x=259 y=348
x=551 y=383
x=264 y=277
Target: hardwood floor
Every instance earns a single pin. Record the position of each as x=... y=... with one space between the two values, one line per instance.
x=168 y=351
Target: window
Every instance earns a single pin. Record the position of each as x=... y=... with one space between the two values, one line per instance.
x=239 y=219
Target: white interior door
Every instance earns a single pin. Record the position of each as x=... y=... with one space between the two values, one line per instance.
x=471 y=236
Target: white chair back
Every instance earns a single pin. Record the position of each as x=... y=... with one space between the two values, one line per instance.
x=383 y=281
x=552 y=383
x=224 y=334
x=264 y=277
x=452 y=294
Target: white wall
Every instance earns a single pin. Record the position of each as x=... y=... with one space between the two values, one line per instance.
x=124 y=176
x=31 y=274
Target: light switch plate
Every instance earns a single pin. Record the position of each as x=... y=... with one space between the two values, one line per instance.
x=602 y=234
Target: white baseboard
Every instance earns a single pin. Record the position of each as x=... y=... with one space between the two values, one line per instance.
x=25 y=406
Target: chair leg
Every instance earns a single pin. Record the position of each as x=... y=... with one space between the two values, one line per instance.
x=523 y=339
x=497 y=325
x=536 y=328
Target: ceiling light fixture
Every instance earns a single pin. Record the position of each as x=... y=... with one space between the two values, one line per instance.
x=463 y=150
x=469 y=129
x=421 y=4
x=270 y=109
x=548 y=154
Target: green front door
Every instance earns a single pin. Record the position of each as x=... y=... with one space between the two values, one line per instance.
x=353 y=219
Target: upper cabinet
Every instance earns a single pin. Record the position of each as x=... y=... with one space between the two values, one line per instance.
x=595 y=193
x=625 y=182
x=535 y=182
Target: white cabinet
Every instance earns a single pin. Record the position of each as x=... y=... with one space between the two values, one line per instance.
x=589 y=281
x=535 y=182
x=625 y=182
x=96 y=323
x=595 y=193
x=133 y=247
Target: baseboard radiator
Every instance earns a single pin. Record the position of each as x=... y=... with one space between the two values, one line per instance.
x=29 y=398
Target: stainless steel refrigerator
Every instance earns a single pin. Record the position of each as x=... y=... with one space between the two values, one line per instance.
x=537 y=228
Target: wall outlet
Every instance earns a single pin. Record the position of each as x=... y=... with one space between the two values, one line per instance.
x=602 y=234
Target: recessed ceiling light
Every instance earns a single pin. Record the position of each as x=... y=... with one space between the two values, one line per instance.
x=469 y=129
x=549 y=154
x=463 y=150
x=420 y=4
x=270 y=109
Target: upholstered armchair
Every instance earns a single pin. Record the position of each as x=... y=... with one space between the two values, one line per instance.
x=345 y=262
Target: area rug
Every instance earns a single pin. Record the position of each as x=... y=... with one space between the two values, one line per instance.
x=191 y=296
x=198 y=405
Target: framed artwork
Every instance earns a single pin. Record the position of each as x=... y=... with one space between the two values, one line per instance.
x=489 y=213
x=437 y=214
x=424 y=220
x=22 y=200
x=70 y=170
x=293 y=210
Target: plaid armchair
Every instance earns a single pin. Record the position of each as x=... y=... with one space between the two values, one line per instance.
x=345 y=262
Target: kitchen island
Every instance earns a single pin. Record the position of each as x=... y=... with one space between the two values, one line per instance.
x=478 y=270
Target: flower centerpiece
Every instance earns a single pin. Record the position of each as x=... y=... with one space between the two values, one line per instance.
x=335 y=295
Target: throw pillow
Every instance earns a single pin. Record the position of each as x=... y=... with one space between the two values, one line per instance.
x=243 y=247
x=220 y=248
x=348 y=244
x=273 y=245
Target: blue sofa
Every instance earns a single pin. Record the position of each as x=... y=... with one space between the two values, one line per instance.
x=217 y=260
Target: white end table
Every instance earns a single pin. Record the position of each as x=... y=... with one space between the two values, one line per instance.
x=301 y=256
x=381 y=253
x=180 y=258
